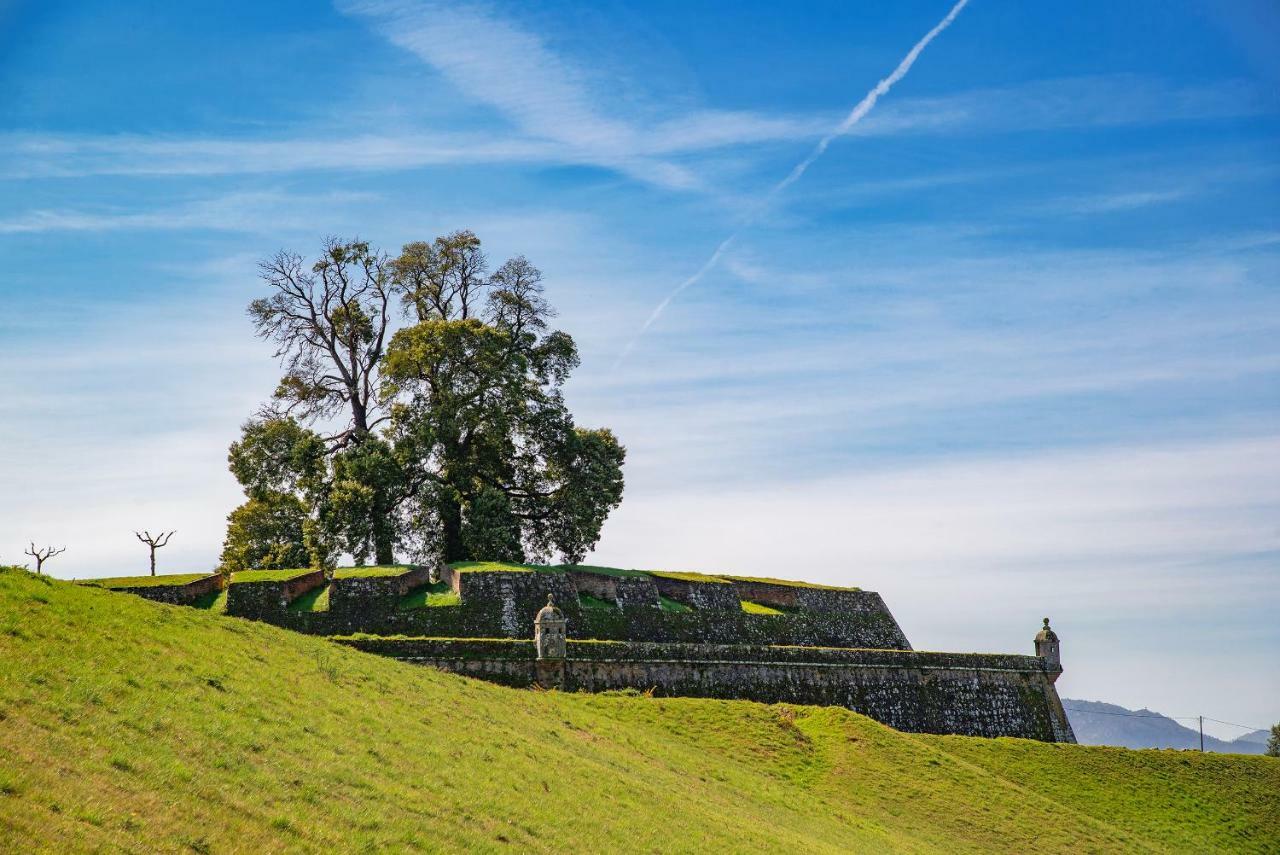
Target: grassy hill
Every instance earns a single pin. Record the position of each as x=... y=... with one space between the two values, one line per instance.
x=131 y=726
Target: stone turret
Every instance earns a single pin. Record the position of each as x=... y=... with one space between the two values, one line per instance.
x=1047 y=649
x=549 y=631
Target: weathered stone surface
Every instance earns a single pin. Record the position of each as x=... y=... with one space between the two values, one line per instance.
x=699 y=595
x=178 y=595
x=357 y=596
x=269 y=601
x=960 y=693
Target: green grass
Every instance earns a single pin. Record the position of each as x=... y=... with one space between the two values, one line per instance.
x=132 y=726
x=604 y=571
x=688 y=577
x=669 y=605
x=790 y=583
x=371 y=572
x=315 y=600
x=269 y=575
x=753 y=608
x=215 y=601
x=430 y=596
x=498 y=567
x=145 y=581
x=589 y=602
x=683 y=576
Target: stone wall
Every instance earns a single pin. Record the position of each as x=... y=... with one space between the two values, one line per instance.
x=959 y=693
x=500 y=608
x=269 y=601
x=359 y=595
x=178 y=595
x=699 y=595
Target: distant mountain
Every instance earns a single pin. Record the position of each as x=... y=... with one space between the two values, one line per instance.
x=1096 y=723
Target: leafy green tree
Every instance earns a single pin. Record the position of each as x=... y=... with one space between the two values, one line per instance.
x=1273 y=741
x=454 y=436
x=268 y=532
x=480 y=414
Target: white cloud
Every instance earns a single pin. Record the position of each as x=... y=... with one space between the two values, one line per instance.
x=254 y=211
x=557 y=114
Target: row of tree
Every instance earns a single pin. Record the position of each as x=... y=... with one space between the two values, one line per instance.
x=448 y=435
x=153 y=542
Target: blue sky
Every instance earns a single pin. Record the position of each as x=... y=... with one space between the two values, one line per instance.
x=1008 y=348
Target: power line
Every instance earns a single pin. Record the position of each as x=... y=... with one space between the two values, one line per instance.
x=1160 y=715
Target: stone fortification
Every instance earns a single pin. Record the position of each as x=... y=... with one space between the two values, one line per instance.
x=672 y=634
x=269 y=600
x=175 y=595
x=498 y=604
x=967 y=693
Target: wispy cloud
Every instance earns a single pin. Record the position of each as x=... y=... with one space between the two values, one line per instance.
x=649 y=148
x=265 y=210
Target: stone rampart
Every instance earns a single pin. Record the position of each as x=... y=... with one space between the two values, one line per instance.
x=698 y=594
x=498 y=608
x=959 y=693
x=178 y=595
x=358 y=595
x=269 y=600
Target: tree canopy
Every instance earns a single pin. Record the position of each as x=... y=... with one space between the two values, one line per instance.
x=448 y=436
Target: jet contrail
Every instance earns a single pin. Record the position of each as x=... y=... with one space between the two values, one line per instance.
x=855 y=115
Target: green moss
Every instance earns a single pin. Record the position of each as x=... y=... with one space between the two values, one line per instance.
x=175 y=728
x=669 y=605
x=146 y=581
x=758 y=608
x=433 y=595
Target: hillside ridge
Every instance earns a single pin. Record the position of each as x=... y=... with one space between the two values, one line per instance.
x=135 y=725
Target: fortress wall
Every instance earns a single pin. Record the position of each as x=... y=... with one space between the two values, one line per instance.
x=179 y=595
x=868 y=628
x=699 y=595
x=268 y=601
x=512 y=597
x=499 y=608
x=596 y=585
x=377 y=593
x=636 y=592
x=959 y=693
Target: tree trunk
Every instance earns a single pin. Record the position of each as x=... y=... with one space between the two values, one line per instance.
x=451 y=523
x=153 y=561
x=383 y=552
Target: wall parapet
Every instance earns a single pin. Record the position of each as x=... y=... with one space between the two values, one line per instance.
x=975 y=694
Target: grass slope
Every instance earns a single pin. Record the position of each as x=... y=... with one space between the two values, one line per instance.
x=126 y=725
x=146 y=581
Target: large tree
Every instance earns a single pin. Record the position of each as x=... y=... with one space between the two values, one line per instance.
x=452 y=435
x=330 y=321
x=498 y=468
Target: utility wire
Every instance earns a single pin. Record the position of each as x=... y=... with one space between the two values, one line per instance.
x=1159 y=715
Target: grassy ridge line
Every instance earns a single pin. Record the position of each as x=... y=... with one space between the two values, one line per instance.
x=146 y=581
x=132 y=725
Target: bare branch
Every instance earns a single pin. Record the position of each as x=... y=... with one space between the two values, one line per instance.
x=43 y=554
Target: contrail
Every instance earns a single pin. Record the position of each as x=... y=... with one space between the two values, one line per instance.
x=855 y=115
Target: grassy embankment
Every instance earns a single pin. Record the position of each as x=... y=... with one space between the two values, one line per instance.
x=129 y=725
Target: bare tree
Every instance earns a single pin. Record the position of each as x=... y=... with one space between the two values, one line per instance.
x=42 y=555
x=154 y=543
x=329 y=322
